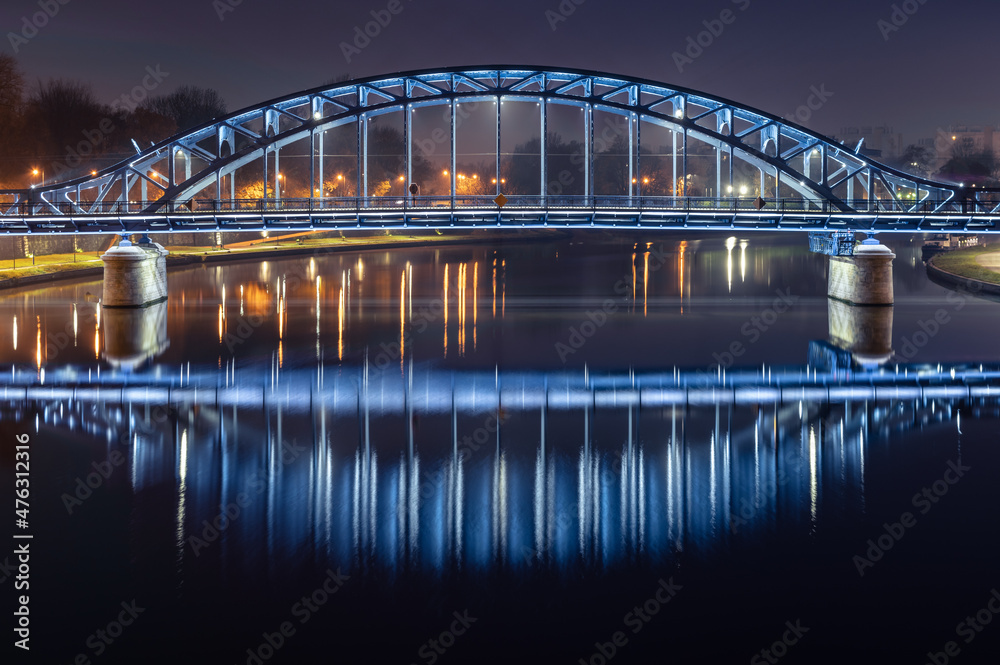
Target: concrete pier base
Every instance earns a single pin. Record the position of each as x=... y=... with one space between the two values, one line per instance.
x=134 y=335
x=135 y=275
x=864 y=332
x=865 y=278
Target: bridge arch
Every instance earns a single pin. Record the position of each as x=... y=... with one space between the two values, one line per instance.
x=541 y=135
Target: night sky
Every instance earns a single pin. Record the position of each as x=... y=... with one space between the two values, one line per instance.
x=916 y=72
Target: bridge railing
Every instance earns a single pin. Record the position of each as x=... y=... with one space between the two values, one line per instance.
x=549 y=203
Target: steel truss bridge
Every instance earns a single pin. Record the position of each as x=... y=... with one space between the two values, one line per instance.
x=436 y=148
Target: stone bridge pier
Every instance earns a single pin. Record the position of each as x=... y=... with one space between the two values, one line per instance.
x=865 y=278
x=135 y=275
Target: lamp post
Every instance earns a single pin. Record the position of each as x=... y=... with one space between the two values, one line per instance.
x=39 y=172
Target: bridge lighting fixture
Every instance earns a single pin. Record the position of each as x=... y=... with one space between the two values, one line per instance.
x=494 y=181
x=340 y=177
x=402 y=179
x=317 y=115
x=743 y=189
x=445 y=172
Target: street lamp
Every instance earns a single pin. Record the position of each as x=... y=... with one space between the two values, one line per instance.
x=39 y=172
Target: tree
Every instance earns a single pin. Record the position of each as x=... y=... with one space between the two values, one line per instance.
x=188 y=106
x=915 y=159
x=12 y=138
x=971 y=165
x=67 y=126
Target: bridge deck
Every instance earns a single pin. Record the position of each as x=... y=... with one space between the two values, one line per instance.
x=482 y=212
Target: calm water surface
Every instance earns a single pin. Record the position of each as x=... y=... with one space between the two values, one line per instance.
x=434 y=455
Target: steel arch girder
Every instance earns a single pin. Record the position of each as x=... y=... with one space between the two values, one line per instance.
x=444 y=86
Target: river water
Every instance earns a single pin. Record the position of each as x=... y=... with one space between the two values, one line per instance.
x=466 y=454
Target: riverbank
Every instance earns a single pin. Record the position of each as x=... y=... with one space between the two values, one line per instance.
x=975 y=268
x=53 y=267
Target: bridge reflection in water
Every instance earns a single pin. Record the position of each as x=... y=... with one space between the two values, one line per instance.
x=431 y=471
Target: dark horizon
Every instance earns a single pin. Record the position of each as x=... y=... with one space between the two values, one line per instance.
x=861 y=54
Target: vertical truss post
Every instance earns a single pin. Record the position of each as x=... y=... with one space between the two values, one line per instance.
x=543 y=105
x=454 y=154
x=407 y=148
x=498 y=103
x=588 y=151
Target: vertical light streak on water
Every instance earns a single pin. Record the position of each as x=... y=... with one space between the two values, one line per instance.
x=495 y=508
x=414 y=508
x=713 y=490
x=75 y=326
x=459 y=508
x=503 y=507
x=38 y=342
x=642 y=500
x=182 y=494
x=494 y=288
x=595 y=508
x=550 y=512
x=756 y=461
x=444 y=289
x=813 y=480
x=503 y=289
x=645 y=284
x=372 y=504
x=623 y=492
x=340 y=318
x=730 y=244
x=475 y=301
x=319 y=281
x=581 y=502
x=461 y=308
x=539 y=502
x=356 y=506
x=633 y=281
x=15 y=332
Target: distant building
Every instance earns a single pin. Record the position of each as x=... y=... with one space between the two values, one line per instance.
x=881 y=142
x=974 y=137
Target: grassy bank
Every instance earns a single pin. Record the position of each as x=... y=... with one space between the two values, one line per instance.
x=66 y=264
x=965 y=263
